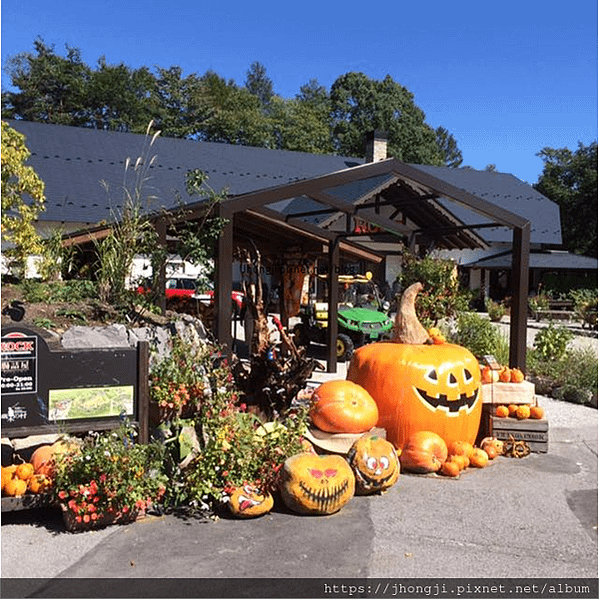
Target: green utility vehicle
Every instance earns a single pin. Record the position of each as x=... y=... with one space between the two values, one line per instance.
x=361 y=319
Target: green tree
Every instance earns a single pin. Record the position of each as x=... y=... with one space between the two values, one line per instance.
x=236 y=115
x=258 y=83
x=452 y=155
x=360 y=104
x=52 y=88
x=118 y=98
x=22 y=200
x=182 y=103
x=569 y=178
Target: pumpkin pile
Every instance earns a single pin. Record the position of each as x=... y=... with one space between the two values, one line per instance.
x=520 y=411
x=503 y=375
x=36 y=475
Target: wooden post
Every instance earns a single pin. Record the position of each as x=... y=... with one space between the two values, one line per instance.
x=519 y=308
x=224 y=281
x=333 y=325
x=160 y=225
x=143 y=390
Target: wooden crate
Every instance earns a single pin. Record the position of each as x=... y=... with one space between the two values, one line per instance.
x=507 y=393
x=534 y=432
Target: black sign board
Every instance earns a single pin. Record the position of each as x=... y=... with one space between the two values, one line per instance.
x=45 y=389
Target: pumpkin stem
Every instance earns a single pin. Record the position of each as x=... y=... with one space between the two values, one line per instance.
x=408 y=328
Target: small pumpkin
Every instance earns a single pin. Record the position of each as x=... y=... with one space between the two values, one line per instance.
x=39 y=483
x=460 y=448
x=341 y=406
x=502 y=412
x=314 y=484
x=479 y=458
x=425 y=451
x=517 y=376
x=24 y=471
x=15 y=487
x=461 y=460
x=43 y=457
x=493 y=441
x=523 y=412
x=374 y=463
x=536 y=411
x=512 y=409
x=8 y=473
x=450 y=468
x=419 y=385
x=505 y=375
x=490 y=451
x=248 y=501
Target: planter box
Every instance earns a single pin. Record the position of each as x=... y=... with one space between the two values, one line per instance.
x=534 y=432
x=72 y=525
x=507 y=393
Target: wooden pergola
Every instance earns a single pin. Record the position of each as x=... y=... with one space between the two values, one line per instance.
x=401 y=201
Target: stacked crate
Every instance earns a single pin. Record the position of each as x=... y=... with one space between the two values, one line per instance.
x=535 y=432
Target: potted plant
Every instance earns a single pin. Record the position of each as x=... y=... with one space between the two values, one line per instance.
x=495 y=310
x=108 y=479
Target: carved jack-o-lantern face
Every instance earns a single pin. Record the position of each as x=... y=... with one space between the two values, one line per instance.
x=316 y=484
x=248 y=501
x=374 y=463
x=421 y=387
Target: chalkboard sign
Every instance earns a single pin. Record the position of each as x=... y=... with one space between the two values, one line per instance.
x=49 y=389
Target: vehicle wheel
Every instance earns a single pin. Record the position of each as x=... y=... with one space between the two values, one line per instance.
x=300 y=337
x=345 y=348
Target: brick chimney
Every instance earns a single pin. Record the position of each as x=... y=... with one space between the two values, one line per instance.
x=376 y=146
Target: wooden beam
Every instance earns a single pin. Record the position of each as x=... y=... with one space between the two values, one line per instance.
x=160 y=225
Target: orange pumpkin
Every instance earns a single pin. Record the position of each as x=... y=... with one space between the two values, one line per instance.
x=39 y=483
x=340 y=406
x=423 y=452
x=505 y=375
x=517 y=376
x=479 y=458
x=24 y=471
x=43 y=457
x=537 y=412
x=15 y=487
x=502 y=412
x=523 y=412
x=450 y=469
x=248 y=501
x=418 y=385
x=460 y=448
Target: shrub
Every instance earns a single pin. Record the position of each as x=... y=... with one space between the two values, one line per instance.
x=495 y=310
x=573 y=376
x=442 y=296
x=552 y=341
x=480 y=336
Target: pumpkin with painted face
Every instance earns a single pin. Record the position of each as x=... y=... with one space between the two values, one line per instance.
x=374 y=463
x=247 y=501
x=418 y=385
x=314 y=484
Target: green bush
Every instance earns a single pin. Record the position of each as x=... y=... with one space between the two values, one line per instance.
x=574 y=375
x=552 y=341
x=495 y=310
x=480 y=336
x=34 y=291
x=442 y=296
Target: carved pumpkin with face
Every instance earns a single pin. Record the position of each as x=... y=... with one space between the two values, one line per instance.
x=418 y=385
x=316 y=484
x=248 y=501
x=374 y=463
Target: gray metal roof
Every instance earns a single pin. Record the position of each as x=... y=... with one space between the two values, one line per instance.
x=74 y=162
x=507 y=191
x=84 y=173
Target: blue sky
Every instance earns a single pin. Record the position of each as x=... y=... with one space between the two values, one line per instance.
x=506 y=79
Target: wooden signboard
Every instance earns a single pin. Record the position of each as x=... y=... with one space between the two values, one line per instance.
x=47 y=389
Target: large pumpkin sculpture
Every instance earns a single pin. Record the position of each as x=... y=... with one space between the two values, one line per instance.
x=419 y=385
x=316 y=484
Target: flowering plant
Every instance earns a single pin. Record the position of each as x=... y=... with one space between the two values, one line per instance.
x=232 y=445
x=109 y=476
x=178 y=381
